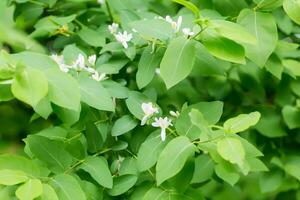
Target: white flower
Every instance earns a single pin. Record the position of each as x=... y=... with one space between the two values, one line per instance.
x=90 y=70
x=148 y=110
x=79 y=64
x=187 y=32
x=163 y=123
x=123 y=38
x=157 y=71
x=175 y=25
x=113 y=28
x=101 y=2
x=98 y=76
x=174 y=114
x=92 y=59
x=60 y=62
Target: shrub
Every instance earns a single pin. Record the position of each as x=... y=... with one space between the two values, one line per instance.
x=153 y=99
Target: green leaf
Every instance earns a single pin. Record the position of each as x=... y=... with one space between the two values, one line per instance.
x=12 y=177
x=98 y=169
x=173 y=158
x=95 y=95
x=292 y=166
x=153 y=28
x=94 y=138
x=67 y=187
x=92 y=37
x=227 y=173
x=224 y=48
x=291 y=116
x=241 y=122
x=156 y=193
x=123 y=125
x=122 y=184
x=178 y=61
x=30 y=85
x=63 y=89
x=204 y=169
x=271 y=181
x=19 y=163
x=51 y=152
x=48 y=193
x=115 y=89
x=232 y=150
x=149 y=151
x=292 y=66
x=30 y=190
x=148 y=63
x=190 y=6
x=134 y=103
x=233 y=31
x=292 y=8
x=263 y=27
x=211 y=112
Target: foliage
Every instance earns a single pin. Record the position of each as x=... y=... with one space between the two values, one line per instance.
x=153 y=99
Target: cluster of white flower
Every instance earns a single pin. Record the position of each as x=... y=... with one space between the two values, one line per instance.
x=123 y=38
x=176 y=25
x=80 y=65
x=149 y=110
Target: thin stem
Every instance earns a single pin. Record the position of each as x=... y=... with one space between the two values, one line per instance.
x=208 y=141
x=109 y=11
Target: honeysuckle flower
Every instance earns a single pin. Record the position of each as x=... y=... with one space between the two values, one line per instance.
x=90 y=70
x=163 y=123
x=98 y=76
x=157 y=71
x=113 y=28
x=60 y=62
x=79 y=64
x=101 y=2
x=174 y=114
x=148 y=110
x=92 y=59
x=123 y=38
x=175 y=25
x=187 y=32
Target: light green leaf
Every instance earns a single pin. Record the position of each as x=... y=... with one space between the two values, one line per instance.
x=122 y=184
x=148 y=63
x=30 y=85
x=51 y=152
x=123 y=125
x=30 y=190
x=224 y=48
x=241 y=122
x=12 y=177
x=98 y=169
x=292 y=8
x=63 y=89
x=48 y=193
x=173 y=158
x=190 y=6
x=233 y=31
x=95 y=95
x=67 y=187
x=232 y=150
x=149 y=151
x=92 y=37
x=263 y=27
x=178 y=61
x=292 y=66
x=153 y=28
x=204 y=168
x=292 y=166
x=291 y=116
